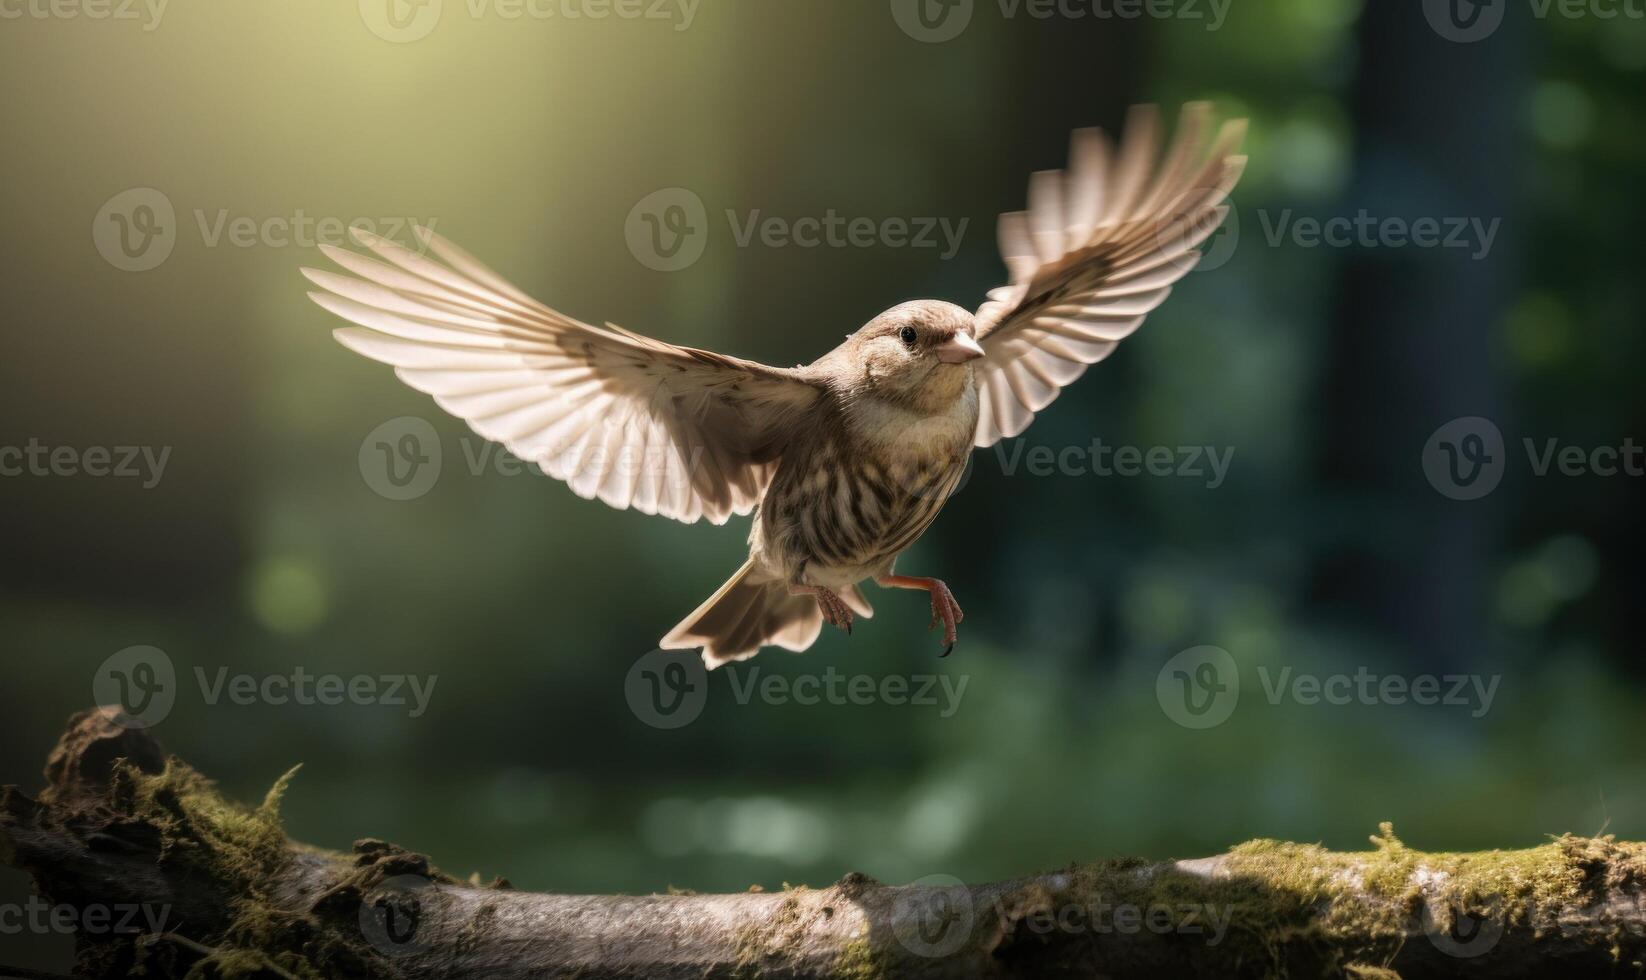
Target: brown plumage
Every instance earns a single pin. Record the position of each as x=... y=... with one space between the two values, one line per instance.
x=846 y=461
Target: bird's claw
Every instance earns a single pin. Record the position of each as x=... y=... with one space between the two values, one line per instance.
x=946 y=610
x=835 y=610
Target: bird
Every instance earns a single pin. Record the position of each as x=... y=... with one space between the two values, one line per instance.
x=846 y=461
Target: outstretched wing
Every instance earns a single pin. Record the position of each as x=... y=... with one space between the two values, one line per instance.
x=1099 y=247
x=637 y=422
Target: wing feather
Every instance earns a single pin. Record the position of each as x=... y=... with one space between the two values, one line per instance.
x=1097 y=250
x=618 y=416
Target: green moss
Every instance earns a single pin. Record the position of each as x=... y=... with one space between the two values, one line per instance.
x=859 y=960
x=242 y=851
x=1348 y=913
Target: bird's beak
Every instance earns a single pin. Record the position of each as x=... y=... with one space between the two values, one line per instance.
x=958 y=349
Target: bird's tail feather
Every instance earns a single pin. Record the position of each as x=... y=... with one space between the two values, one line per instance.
x=748 y=612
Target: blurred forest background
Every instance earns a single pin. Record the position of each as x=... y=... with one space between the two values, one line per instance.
x=530 y=140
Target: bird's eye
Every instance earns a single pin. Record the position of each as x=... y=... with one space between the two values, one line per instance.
x=908 y=336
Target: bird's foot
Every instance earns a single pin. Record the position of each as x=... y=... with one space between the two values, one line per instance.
x=835 y=610
x=944 y=608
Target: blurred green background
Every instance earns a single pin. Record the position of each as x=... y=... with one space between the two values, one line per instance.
x=530 y=139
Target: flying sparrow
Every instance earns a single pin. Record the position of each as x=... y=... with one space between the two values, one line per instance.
x=844 y=461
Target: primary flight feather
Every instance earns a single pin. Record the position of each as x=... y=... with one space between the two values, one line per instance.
x=845 y=461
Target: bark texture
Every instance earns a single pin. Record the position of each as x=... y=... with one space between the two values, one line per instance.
x=224 y=893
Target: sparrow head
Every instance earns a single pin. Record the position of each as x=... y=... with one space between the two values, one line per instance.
x=914 y=353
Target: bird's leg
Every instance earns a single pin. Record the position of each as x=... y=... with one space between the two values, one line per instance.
x=943 y=605
x=835 y=610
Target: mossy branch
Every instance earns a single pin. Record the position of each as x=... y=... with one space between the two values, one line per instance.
x=228 y=895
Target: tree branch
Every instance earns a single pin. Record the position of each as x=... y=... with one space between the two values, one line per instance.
x=162 y=874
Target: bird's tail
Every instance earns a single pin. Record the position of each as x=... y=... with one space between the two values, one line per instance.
x=749 y=612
